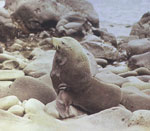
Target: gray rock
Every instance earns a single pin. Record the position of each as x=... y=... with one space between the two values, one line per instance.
x=136 y=47
x=41 y=64
x=101 y=50
x=142 y=27
x=42 y=15
x=141 y=60
x=28 y=87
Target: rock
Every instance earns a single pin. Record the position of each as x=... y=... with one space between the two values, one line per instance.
x=107 y=37
x=16 y=47
x=91 y=37
x=114 y=118
x=10 y=64
x=109 y=77
x=43 y=17
x=101 y=62
x=10 y=74
x=141 y=60
x=5 y=83
x=140 y=117
x=145 y=78
x=101 y=50
x=128 y=73
x=141 y=28
x=17 y=110
x=138 y=84
x=117 y=69
x=142 y=71
x=8 y=30
x=51 y=110
x=41 y=65
x=135 y=99
x=136 y=47
x=33 y=106
x=73 y=24
x=4 y=57
x=33 y=88
x=9 y=101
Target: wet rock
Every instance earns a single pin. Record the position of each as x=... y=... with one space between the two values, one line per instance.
x=9 y=101
x=32 y=88
x=17 y=110
x=41 y=65
x=101 y=50
x=141 y=60
x=10 y=74
x=136 y=47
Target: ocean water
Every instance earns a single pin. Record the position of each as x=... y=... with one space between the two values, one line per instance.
x=115 y=15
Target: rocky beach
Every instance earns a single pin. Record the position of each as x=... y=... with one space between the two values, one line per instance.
x=42 y=88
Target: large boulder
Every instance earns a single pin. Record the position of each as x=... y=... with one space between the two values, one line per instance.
x=142 y=27
x=139 y=46
x=141 y=60
x=41 y=64
x=37 y=15
x=101 y=50
x=28 y=87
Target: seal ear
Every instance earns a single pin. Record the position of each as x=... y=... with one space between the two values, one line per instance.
x=63 y=61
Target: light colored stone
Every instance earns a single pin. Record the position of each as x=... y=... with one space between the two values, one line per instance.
x=33 y=106
x=9 y=101
x=118 y=69
x=5 y=83
x=4 y=57
x=140 y=117
x=17 y=110
x=10 y=64
x=10 y=74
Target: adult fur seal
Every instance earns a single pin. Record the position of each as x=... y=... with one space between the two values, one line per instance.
x=74 y=83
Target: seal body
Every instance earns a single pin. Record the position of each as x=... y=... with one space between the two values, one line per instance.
x=71 y=68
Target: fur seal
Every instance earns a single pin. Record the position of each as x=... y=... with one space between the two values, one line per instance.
x=74 y=83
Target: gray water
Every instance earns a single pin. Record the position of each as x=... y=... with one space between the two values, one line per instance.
x=115 y=15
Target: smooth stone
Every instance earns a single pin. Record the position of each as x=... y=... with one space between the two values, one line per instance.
x=109 y=77
x=4 y=57
x=9 y=101
x=101 y=62
x=50 y=108
x=28 y=87
x=10 y=64
x=10 y=74
x=140 y=117
x=17 y=110
x=16 y=47
x=134 y=99
x=33 y=106
x=145 y=78
x=117 y=69
x=142 y=71
x=147 y=91
x=128 y=73
x=5 y=83
x=140 y=85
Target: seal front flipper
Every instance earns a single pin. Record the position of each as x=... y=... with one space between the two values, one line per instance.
x=63 y=102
